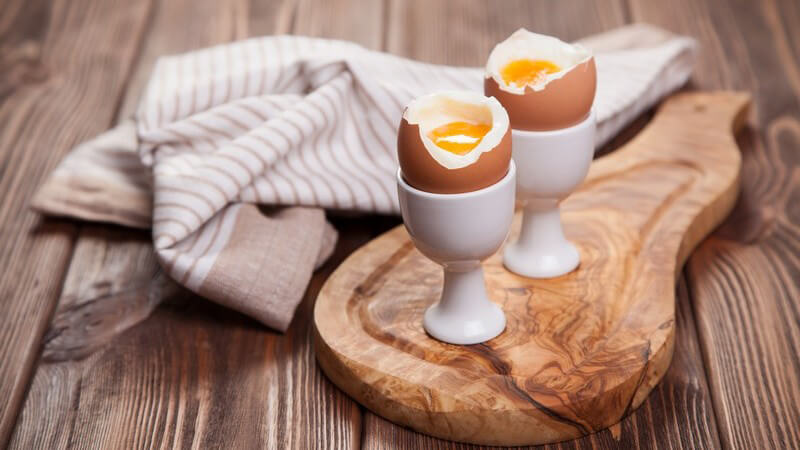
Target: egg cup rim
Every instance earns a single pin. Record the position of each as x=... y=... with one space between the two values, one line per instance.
x=591 y=118
x=507 y=178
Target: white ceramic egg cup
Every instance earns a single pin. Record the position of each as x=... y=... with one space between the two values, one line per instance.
x=551 y=165
x=458 y=231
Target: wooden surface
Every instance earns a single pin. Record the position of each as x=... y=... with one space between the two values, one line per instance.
x=69 y=69
x=580 y=351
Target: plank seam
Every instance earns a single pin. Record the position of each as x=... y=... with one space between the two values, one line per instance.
x=32 y=365
x=703 y=355
x=139 y=50
x=627 y=15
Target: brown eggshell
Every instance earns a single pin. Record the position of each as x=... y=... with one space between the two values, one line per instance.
x=562 y=103
x=423 y=172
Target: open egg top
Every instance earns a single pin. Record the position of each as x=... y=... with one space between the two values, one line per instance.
x=532 y=60
x=457 y=127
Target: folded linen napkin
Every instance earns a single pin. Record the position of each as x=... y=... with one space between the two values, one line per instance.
x=287 y=120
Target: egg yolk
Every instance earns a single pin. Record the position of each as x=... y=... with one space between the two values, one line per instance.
x=524 y=71
x=459 y=137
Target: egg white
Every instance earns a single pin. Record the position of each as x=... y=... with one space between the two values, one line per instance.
x=524 y=44
x=434 y=110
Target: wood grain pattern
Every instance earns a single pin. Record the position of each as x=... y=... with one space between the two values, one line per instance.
x=677 y=414
x=264 y=386
x=464 y=33
x=743 y=280
x=114 y=270
x=114 y=281
x=580 y=351
x=194 y=375
x=112 y=284
x=50 y=55
x=59 y=70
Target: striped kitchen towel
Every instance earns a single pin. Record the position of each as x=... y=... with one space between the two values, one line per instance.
x=224 y=132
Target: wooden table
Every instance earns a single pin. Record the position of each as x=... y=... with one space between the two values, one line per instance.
x=80 y=367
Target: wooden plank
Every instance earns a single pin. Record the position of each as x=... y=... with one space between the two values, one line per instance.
x=743 y=280
x=353 y=20
x=113 y=269
x=463 y=33
x=114 y=280
x=679 y=412
x=268 y=389
x=61 y=78
x=196 y=374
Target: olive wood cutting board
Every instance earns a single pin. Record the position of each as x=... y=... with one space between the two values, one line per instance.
x=579 y=352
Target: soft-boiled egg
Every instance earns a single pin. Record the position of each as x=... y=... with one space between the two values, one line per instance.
x=543 y=82
x=453 y=142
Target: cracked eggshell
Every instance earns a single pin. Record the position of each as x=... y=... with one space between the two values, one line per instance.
x=559 y=100
x=429 y=168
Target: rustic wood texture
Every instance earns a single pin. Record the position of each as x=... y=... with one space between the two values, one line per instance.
x=64 y=64
x=195 y=375
x=265 y=386
x=581 y=351
x=464 y=33
x=744 y=280
x=114 y=281
x=60 y=84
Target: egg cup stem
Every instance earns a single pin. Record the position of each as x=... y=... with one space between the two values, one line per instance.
x=464 y=314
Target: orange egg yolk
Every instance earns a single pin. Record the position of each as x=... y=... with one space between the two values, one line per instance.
x=524 y=71
x=459 y=137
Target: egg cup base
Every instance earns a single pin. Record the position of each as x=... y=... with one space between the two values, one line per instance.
x=464 y=315
x=541 y=251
